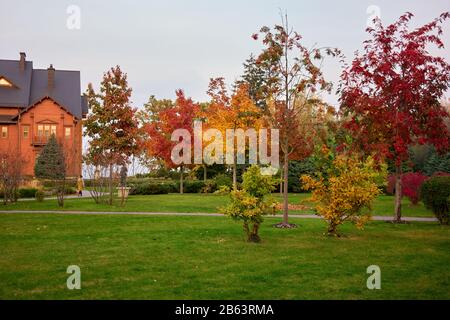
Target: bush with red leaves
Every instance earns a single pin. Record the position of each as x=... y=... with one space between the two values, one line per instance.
x=411 y=183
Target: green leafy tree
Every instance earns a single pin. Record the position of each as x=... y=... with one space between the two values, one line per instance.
x=252 y=202
x=51 y=165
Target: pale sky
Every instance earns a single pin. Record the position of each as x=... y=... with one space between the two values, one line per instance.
x=166 y=45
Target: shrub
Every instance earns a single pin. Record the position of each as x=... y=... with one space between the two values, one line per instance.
x=411 y=183
x=39 y=195
x=194 y=186
x=435 y=193
x=350 y=187
x=27 y=192
x=223 y=180
x=148 y=188
x=223 y=190
x=209 y=187
x=252 y=202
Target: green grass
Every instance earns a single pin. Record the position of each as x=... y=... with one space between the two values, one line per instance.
x=168 y=257
x=207 y=203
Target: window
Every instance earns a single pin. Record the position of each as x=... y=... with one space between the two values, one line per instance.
x=67 y=132
x=5 y=83
x=4 y=132
x=26 y=132
x=45 y=130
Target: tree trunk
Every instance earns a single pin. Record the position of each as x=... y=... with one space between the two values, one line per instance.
x=181 y=179
x=285 y=185
x=204 y=173
x=398 y=194
x=110 y=184
x=246 y=229
x=332 y=229
x=254 y=237
x=234 y=173
x=60 y=193
x=281 y=181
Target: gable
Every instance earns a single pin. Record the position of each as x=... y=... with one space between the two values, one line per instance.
x=47 y=121
x=41 y=103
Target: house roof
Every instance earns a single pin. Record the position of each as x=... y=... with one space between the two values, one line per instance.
x=32 y=85
x=19 y=96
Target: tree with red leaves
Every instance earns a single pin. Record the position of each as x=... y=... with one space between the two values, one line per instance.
x=390 y=94
x=159 y=143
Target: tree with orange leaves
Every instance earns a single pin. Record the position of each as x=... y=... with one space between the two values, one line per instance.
x=231 y=112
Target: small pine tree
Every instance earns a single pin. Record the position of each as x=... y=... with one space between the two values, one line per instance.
x=256 y=77
x=51 y=165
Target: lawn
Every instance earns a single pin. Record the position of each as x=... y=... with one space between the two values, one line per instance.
x=176 y=257
x=206 y=203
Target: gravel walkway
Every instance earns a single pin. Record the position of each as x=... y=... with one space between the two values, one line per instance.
x=302 y=216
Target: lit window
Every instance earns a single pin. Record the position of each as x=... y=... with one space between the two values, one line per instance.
x=26 y=132
x=67 y=132
x=40 y=130
x=4 y=132
x=5 y=83
x=53 y=130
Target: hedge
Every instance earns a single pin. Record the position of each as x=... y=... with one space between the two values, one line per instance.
x=23 y=193
x=147 y=188
x=435 y=194
x=27 y=192
x=153 y=187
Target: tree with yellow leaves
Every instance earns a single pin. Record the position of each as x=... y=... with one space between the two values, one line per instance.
x=231 y=112
x=346 y=191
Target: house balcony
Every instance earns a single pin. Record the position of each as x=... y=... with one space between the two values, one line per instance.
x=40 y=140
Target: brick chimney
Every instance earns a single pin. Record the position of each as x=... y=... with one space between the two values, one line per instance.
x=22 y=61
x=51 y=77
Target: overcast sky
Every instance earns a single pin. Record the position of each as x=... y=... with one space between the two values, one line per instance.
x=165 y=45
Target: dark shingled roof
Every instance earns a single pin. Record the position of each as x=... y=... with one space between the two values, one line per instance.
x=32 y=86
x=20 y=96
